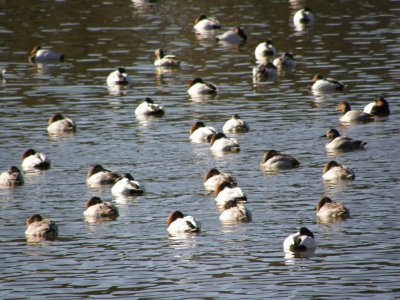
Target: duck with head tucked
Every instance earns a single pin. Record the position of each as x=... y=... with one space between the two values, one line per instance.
x=301 y=241
x=32 y=160
x=97 y=175
x=45 y=55
x=119 y=77
x=220 y=143
x=41 y=228
x=199 y=132
x=274 y=160
x=350 y=116
x=178 y=224
x=59 y=124
x=165 y=60
x=127 y=186
x=329 y=209
x=214 y=177
x=338 y=142
x=334 y=171
x=235 y=124
x=321 y=84
x=204 y=23
x=233 y=36
x=378 y=108
x=11 y=178
x=265 y=51
x=303 y=16
x=264 y=71
x=97 y=208
x=197 y=87
x=149 y=108
x=228 y=191
x=234 y=212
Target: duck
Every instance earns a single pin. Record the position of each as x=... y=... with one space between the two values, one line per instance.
x=303 y=16
x=327 y=208
x=321 y=84
x=233 y=36
x=12 y=177
x=165 y=60
x=199 y=132
x=286 y=60
x=149 y=108
x=32 y=160
x=265 y=51
x=198 y=87
x=274 y=160
x=234 y=212
x=97 y=208
x=228 y=191
x=42 y=55
x=219 y=142
x=264 y=71
x=350 y=116
x=334 y=171
x=178 y=223
x=127 y=186
x=338 y=142
x=214 y=177
x=59 y=124
x=301 y=241
x=97 y=175
x=37 y=226
x=119 y=77
x=378 y=108
x=204 y=23
x=235 y=124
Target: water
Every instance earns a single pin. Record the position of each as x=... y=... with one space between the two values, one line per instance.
x=132 y=257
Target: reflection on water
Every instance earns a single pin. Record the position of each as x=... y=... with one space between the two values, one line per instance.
x=133 y=256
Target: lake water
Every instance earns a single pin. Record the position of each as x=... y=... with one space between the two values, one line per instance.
x=357 y=42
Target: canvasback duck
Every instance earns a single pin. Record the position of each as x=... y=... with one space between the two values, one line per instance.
x=37 y=226
x=165 y=60
x=349 y=115
x=219 y=142
x=300 y=241
x=334 y=171
x=214 y=178
x=228 y=191
x=198 y=87
x=321 y=84
x=326 y=209
x=199 y=132
x=42 y=55
x=32 y=160
x=303 y=16
x=286 y=60
x=118 y=77
x=97 y=208
x=338 y=142
x=127 y=186
x=265 y=50
x=149 y=108
x=233 y=36
x=379 y=108
x=264 y=71
x=97 y=175
x=59 y=124
x=274 y=160
x=11 y=178
x=233 y=212
x=235 y=124
x=203 y=23
x=178 y=223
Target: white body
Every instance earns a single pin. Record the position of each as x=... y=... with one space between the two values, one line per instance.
x=229 y=194
x=126 y=187
x=300 y=16
x=200 y=134
x=201 y=89
x=211 y=183
x=338 y=173
x=325 y=85
x=278 y=162
x=147 y=109
x=206 y=24
x=44 y=55
x=231 y=37
x=236 y=214
x=343 y=143
x=115 y=77
x=34 y=161
x=101 y=210
x=262 y=49
x=355 y=116
x=180 y=226
x=64 y=125
x=225 y=144
x=306 y=241
x=235 y=125
x=167 y=61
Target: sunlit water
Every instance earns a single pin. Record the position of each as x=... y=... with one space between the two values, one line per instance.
x=354 y=41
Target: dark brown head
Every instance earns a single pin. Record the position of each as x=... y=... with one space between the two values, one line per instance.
x=159 y=53
x=268 y=155
x=93 y=201
x=322 y=202
x=381 y=107
x=332 y=134
x=216 y=136
x=33 y=52
x=317 y=77
x=174 y=216
x=27 y=153
x=211 y=173
x=33 y=218
x=13 y=169
x=194 y=81
x=229 y=204
x=199 y=18
x=343 y=107
x=240 y=32
x=56 y=117
x=329 y=165
x=223 y=185
x=196 y=126
x=95 y=169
